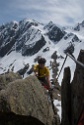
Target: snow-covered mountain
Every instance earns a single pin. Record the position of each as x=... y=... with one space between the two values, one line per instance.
x=22 y=42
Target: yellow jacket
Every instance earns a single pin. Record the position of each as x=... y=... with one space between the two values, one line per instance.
x=42 y=72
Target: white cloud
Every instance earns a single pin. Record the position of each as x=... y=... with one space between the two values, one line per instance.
x=65 y=12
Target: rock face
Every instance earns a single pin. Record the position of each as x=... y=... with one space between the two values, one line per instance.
x=7 y=78
x=73 y=94
x=54 y=32
x=23 y=70
x=77 y=94
x=23 y=37
x=66 y=97
x=79 y=26
x=26 y=37
x=25 y=102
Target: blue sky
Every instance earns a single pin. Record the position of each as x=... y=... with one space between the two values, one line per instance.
x=61 y=12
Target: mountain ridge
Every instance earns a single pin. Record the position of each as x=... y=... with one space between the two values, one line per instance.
x=23 y=33
x=25 y=40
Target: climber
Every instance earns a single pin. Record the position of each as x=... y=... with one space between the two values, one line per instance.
x=42 y=73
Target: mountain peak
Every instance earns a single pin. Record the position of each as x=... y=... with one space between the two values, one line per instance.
x=79 y=26
x=29 y=21
x=14 y=22
x=82 y=23
x=49 y=25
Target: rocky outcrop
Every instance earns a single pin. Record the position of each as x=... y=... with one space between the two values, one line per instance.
x=79 y=26
x=77 y=87
x=24 y=101
x=23 y=70
x=66 y=97
x=73 y=94
x=6 y=78
x=54 y=32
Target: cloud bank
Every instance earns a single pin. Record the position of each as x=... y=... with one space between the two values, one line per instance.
x=67 y=12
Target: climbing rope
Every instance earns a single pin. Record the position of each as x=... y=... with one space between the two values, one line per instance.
x=73 y=58
x=62 y=67
x=76 y=61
